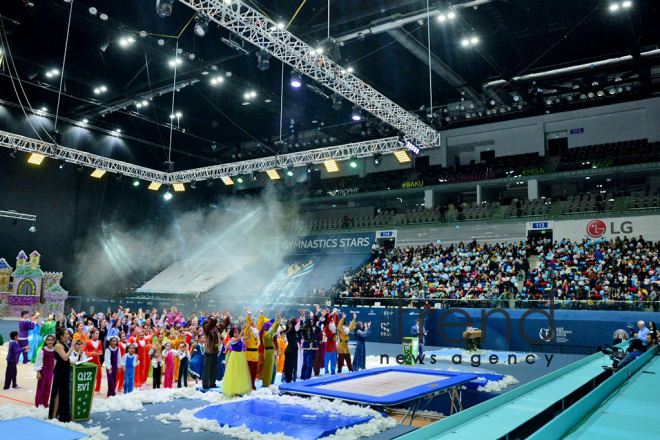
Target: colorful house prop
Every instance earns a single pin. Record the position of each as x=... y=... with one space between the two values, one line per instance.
x=31 y=287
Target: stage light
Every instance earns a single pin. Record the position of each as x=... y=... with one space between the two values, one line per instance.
x=227 y=180
x=331 y=166
x=179 y=187
x=289 y=172
x=164 y=7
x=239 y=179
x=103 y=16
x=179 y=115
x=263 y=60
x=93 y=10
x=377 y=158
x=356 y=115
x=201 y=25
x=126 y=41
x=193 y=184
x=32 y=229
x=451 y=15
x=350 y=70
x=273 y=174
x=465 y=42
x=154 y=186
x=626 y=4
x=136 y=182
x=256 y=175
x=353 y=163
x=85 y=121
x=14 y=153
x=296 y=80
x=402 y=156
x=280 y=25
x=168 y=195
x=591 y=95
x=145 y=103
x=217 y=80
x=474 y=41
x=600 y=93
x=36 y=158
x=60 y=164
x=442 y=18
x=98 y=173
x=176 y=61
x=614 y=7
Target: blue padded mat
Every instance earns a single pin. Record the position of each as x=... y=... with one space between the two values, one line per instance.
x=269 y=417
x=322 y=386
x=27 y=428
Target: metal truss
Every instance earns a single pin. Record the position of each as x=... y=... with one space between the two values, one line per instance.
x=302 y=158
x=344 y=152
x=22 y=143
x=18 y=215
x=264 y=33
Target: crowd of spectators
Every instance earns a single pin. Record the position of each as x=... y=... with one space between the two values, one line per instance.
x=609 y=275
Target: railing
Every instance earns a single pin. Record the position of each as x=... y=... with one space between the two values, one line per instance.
x=306 y=302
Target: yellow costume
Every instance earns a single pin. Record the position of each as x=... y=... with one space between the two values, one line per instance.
x=176 y=343
x=281 y=346
x=251 y=341
x=269 y=355
x=237 y=378
x=342 y=347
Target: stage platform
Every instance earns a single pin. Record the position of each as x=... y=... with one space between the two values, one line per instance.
x=27 y=428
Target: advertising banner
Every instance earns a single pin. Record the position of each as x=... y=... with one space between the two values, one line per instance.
x=83 y=379
x=608 y=228
x=329 y=244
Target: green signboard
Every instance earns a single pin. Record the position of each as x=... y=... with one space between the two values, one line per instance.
x=83 y=379
x=410 y=350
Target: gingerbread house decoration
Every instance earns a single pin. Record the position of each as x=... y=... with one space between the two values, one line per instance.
x=27 y=285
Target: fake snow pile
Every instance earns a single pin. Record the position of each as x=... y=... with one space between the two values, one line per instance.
x=377 y=424
x=12 y=411
x=497 y=386
x=134 y=401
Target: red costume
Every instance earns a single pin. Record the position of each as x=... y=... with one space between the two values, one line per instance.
x=92 y=349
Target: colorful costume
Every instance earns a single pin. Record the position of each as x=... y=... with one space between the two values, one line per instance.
x=309 y=348
x=176 y=343
x=119 y=380
x=343 y=354
x=24 y=327
x=237 y=374
x=168 y=380
x=184 y=360
x=252 y=348
x=47 y=329
x=269 y=355
x=45 y=363
x=34 y=340
x=157 y=369
x=360 y=360
x=113 y=365
x=92 y=346
x=281 y=348
x=13 y=355
x=196 y=362
x=130 y=363
x=330 y=343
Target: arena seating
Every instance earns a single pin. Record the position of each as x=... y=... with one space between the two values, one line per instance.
x=621 y=153
x=582 y=203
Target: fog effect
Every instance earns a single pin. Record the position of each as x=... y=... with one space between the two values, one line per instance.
x=116 y=257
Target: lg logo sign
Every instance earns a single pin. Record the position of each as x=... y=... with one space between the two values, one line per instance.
x=598 y=228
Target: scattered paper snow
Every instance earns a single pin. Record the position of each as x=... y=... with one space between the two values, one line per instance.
x=497 y=386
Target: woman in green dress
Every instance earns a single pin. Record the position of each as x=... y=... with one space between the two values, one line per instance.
x=48 y=328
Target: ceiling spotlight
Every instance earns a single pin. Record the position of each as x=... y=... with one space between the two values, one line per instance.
x=164 y=7
x=255 y=176
x=60 y=164
x=442 y=18
x=193 y=184
x=32 y=229
x=201 y=25
x=179 y=114
x=296 y=80
x=217 y=80
x=451 y=15
x=93 y=10
x=614 y=7
x=356 y=115
x=136 y=182
x=168 y=195
x=474 y=41
x=145 y=103
x=176 y=61
x=263 y=60
x=353 y=163
x=239 y=179
x=126 y=41
x=626 y=4
x=14 y=153
x=280 y=25
x=465 y=42
x=289 y=172
x=103 y=16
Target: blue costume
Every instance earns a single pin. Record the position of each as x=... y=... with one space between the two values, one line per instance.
x=34 y=337
x=222 y=353
x=196 y=362
x=360 y=357
x=130 y=362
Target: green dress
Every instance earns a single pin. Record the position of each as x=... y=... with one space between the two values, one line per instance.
x=47 y=329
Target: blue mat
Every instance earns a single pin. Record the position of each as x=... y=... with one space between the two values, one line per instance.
x=27 y=428
x=268 y=417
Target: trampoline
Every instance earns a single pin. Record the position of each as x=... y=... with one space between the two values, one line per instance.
x=382 y=387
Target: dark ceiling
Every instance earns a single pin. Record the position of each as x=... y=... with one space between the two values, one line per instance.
x=516 y=37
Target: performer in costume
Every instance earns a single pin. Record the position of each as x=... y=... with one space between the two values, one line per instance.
x=44 y=365
x=343 y=353
x=251 y=346
x=157 y=363
x=141 y=343
x=168 y=355
x=260 y=363
x=129 y=362
x=176 y=343
x=237 y=378
x=269 y=356
x=184 y=359
x=48 y=328
x=197 y=359
x=35 y=339
x=331 y=342
x=24 y=326
x=281 y=348
x=81 y=335
x=121 y=345
x=93 y=349
x=112 y=364
x=212 y=331
x=291 y=352
x=362 y=331
x=13 y=355
x=59 y=396
x=222 y=357
x=309 y=347
x=319 y=361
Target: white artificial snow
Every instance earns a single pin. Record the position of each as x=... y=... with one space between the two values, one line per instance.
x=497 y=386
x=11 y=411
